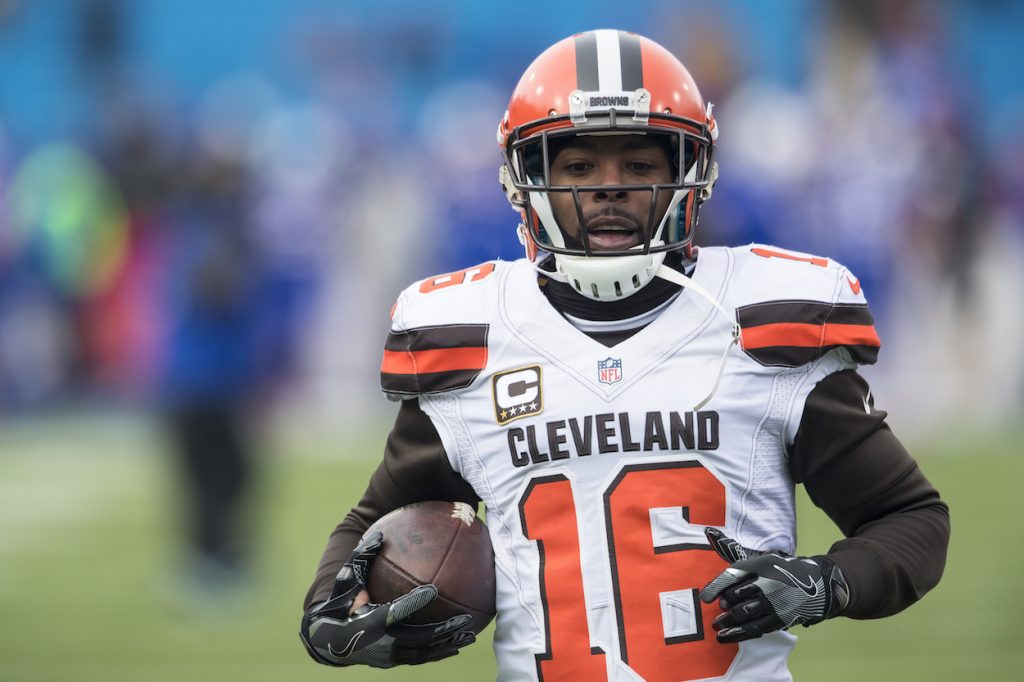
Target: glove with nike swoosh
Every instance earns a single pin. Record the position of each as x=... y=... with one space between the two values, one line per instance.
x=375 y=634
x=762 y=592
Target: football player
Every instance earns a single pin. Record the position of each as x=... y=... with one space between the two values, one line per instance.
x=633 y=412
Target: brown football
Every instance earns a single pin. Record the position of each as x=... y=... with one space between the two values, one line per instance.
x=439 y=543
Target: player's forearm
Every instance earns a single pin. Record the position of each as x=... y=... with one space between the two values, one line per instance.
x=381 y=496
x=897 y=528
x=343 y=540
x=415 y=468
x=891 y=563
x=859 y=473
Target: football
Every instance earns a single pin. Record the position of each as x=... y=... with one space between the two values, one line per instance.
x=439 y=543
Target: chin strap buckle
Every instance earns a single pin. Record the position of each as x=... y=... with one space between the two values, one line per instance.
x=641 y=106
x=577 y=107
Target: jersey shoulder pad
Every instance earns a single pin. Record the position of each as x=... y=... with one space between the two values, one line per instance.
x=439 y=330
x=794 y=307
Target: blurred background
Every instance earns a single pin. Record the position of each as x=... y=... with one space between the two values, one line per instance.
x=208 y=208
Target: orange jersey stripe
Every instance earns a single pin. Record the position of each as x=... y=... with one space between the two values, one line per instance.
x=809 y=335
x=851 y=335
x=435 y=360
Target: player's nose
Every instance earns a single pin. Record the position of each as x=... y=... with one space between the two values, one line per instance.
x=610 y=174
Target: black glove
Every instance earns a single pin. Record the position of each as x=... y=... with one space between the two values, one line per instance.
x=374 y=634
x=762 y=592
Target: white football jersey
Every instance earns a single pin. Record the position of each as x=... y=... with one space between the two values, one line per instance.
x=597 y=473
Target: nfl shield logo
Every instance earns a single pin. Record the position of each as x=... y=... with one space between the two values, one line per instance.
x=609 y=371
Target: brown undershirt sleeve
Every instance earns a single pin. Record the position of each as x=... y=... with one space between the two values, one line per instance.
x=854 y=468
x=415 y=468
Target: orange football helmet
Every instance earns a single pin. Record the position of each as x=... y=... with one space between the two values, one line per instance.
x=606 y=82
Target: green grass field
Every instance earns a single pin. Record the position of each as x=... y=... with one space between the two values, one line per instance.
x=88 y=548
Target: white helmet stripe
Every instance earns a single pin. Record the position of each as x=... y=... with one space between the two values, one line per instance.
x=609 y=63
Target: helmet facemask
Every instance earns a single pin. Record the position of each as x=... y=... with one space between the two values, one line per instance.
x=595 y=270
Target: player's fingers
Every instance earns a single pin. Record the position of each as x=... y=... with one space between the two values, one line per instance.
x=346 y=585
x=419 y=657
x=453 y=624
x=741 y=613
x=410 y=603
x=448 y=651
x=721 y=582
x=362 y=598
x=368 y=546
x=352 y=576
x=724 y=546
x=742 y=592
x=749 y=630
x=735 y=634
x=414 y=653
x=435 y=633
x=455 y=641
x=723 y=621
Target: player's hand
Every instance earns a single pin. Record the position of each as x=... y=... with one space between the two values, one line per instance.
x=375 y=634
x=762 y=592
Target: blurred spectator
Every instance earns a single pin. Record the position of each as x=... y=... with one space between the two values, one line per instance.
x=896 y=192
x=212 y=375
x=860 y=129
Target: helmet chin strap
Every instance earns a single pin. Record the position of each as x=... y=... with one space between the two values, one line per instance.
x=676 y=277
x=682 y=280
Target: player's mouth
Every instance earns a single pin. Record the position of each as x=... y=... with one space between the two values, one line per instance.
x=613 y=233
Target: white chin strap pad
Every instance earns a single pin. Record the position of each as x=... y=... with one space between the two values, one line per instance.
x=607 y=279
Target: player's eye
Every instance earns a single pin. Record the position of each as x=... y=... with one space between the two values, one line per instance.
x=578 y=167
x=641 y=167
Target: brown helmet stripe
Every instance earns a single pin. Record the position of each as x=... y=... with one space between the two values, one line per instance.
x=587 y=77
x=632 y=65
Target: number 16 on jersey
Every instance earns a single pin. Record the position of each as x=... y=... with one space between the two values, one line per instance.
x=640 y=574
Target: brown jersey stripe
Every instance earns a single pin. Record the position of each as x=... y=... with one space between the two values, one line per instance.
x=805 y=312
x=793 y=333
x=775 y=312
x=431 y=361
x=433 y=382
x=851 y=313
x=442 y=336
